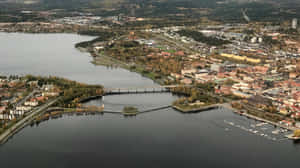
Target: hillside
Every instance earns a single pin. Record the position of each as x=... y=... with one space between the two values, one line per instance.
x=229 y=10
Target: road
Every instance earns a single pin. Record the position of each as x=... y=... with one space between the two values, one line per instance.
x=27 y=97
x=23 y=122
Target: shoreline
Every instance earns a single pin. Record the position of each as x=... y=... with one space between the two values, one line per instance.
x=10 y=132
x=14 y=129
x=267 y=121
x=117 y=62
x=196 y=110
x=205 y=108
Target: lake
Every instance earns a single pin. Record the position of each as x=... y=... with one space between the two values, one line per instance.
x=165 y=138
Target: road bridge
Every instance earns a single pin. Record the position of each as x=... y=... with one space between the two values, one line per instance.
x=144 y=89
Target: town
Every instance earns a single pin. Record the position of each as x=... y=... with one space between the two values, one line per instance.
x=253 y=66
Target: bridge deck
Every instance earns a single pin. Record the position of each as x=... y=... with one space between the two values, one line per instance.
x=146 y=89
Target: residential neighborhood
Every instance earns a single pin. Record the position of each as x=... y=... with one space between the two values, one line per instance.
x=19 y=97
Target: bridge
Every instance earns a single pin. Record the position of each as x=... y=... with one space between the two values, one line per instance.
x=140 y=112
x=145 y=89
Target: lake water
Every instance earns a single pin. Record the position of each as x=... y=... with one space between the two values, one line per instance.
x=54 y=54
x=165 y=138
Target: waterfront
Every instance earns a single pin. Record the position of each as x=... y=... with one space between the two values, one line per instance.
x=165 y=138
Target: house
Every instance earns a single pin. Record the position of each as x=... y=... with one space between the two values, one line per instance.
x=176 y=75
x=240 y=94
x=241 y=86
x=188 y=71
x=204 y=78
x=179 y=53
x=6 y=116
x=215 y=67
x=201 y=73
x=293 y=75
x=41 y=98
x=48 y=87
x=165 y=54
x=13 y=83
x=23 y=108
x=33 y=83
x=297 y=124
x=2 y=109
x=296 y=115
x=17 y=112
x=260 y=69
x=32 y=103
x=186 y=81
x=98 y=48
x=50 y=94
x=296 y=96
x=286 y=123
x=283 y=111
x=226 y=90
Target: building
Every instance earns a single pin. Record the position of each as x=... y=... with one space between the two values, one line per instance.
x=296 y=115
x=286 y=123
x=50 y=94
x=2 y=109
x=31 y=103
x=294 y=23
x=23 y=108
x=240 y=94
x=6 y=117
x=241 y=58
x=188 y=71
x=215 y=67
x=186 y=81
x=226 y=90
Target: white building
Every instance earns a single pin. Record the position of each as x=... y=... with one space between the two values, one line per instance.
x=215 y=67
x=253 y=39
x=188 y=71
x=23 y=108
x=17 y=112
x=50 y=94
x=294 y=23
x=6 y=117
x=31 y=103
